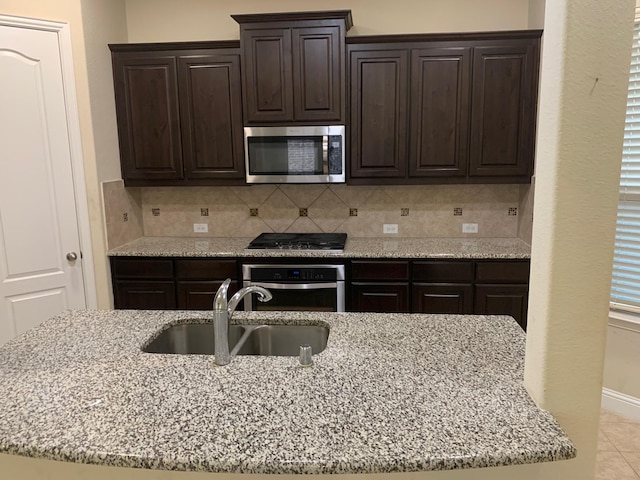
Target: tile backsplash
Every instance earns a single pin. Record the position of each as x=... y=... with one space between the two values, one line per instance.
x=122 y=213
x=419 y=211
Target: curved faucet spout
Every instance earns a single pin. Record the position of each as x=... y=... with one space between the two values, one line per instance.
x=220 y=301
x=264 y=295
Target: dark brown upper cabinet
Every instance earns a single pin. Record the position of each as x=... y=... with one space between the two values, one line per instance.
x=442 y=108
x=503 y=113
x=179 y=113
x=293 y=67
x=439 y=132
x=379 y=120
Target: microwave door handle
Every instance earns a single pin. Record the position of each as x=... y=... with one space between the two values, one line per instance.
x=325 y=154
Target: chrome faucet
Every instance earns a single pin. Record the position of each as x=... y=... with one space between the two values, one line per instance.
x=222 y=312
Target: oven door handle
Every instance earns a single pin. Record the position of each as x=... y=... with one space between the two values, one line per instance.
x=294 y=286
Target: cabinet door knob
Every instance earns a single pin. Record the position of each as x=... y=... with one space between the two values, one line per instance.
x=72 y=256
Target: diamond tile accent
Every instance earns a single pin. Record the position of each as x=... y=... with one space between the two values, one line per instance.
x=328 y=211
x=303 y=195
x=278 y=211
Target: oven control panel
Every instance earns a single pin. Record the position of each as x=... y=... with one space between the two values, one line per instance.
x=294 y=274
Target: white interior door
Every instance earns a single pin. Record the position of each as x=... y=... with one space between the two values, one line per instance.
x=39 y=234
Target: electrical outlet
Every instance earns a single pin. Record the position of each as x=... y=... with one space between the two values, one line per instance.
x=390 y=228
x=200 y=227
x=469 y=228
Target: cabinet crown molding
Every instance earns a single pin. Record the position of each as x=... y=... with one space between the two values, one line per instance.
x=296 y=17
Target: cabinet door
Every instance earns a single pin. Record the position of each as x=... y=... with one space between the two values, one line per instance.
x=318 y=73
x=380 y=297
x=200 y=295
x=211 y=113
x=452 y=298
x=378 y=89
x=145 y=295
x=267 y=78
x=146 y=92
x=503 y=300
x=439 y=111
x=503 y=110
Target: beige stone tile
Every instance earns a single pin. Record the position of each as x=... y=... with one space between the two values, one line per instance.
x=369 y=223
x=525 y=212
x=610 y=417
x=303 y=195
x=624 y=436
x=278 y=211
x=167 y=196
x=328 y=211
x=304 y=225
x=254 y=195
x=612 y=466
x=253 y=227
x=633 y=459
x=604 y=444
x=380 y=200
x=225 y=220
x=353 y=196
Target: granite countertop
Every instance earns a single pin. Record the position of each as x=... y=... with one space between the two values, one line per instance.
x=462 y=248
x=391 y=393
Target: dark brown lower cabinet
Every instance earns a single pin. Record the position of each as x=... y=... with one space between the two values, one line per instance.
x=450 y=298
x=145 y=295
x=380 y=297
x=170 y=283
x=200 y=295
x=503 y=300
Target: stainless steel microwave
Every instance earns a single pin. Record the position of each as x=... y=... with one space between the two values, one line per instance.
x=301 y=154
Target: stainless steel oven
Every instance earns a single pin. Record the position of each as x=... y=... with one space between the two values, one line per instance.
x=295 y=287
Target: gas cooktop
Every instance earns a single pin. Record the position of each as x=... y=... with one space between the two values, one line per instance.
x=333 y=242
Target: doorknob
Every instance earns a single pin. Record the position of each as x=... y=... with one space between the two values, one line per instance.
x=72 y=256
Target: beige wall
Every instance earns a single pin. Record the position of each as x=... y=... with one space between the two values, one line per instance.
x=623 y=359
x=170 y=20
x=585 y=71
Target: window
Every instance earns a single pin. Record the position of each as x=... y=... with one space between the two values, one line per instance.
x=625 y=287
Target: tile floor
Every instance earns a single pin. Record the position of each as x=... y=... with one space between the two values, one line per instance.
x=618 y=448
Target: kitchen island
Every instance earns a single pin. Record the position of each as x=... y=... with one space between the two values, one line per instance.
x=390 y=393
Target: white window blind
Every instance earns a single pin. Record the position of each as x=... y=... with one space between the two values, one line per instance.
x=625 y=287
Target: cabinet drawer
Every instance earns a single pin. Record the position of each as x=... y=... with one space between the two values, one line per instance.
x=374 y=270
x=143 y=295
x=443 y=272
x=380 y=297
x=451 y=298
x=200 y=295
x=502 y=272
x=142 y=267
x=203 y=269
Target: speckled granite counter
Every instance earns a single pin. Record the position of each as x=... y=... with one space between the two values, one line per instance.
x=391 y=393
x=502 y=248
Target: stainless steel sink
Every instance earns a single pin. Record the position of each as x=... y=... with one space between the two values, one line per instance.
x=284 y=340
x=269 y=340
x=190 y=338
